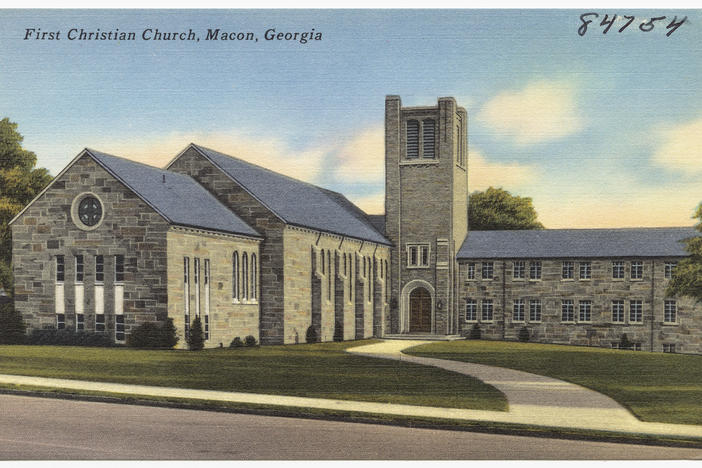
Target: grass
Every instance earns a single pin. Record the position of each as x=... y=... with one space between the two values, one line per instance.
x=313 y=370
x=654 y=386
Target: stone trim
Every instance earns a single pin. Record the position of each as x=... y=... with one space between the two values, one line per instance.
x=206 y=232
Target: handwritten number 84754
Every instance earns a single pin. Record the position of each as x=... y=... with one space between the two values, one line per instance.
x=626 y=20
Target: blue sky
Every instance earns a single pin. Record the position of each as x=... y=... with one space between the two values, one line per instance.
x=600 y=130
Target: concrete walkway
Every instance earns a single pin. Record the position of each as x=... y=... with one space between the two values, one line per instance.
x=533 y=399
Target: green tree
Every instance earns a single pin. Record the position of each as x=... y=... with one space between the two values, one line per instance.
x=196 y=339
x=687 y=276
x=11 y=325
x=497 y=209
x=20 y=181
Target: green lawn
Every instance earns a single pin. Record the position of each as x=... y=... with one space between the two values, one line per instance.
x=315 y=370
x=655 y=386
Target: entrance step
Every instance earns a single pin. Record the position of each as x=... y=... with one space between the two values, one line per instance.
x=423 y=336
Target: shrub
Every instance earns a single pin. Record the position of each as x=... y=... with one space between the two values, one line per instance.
x=523 y=334
x=152 y=335
x=624 y=342
x=196 y=339
x=12 y=328
x=311 y=335
x=236 y=343
x=250 y=341
x=55 y=337
x=475 y=332
x=338 y=332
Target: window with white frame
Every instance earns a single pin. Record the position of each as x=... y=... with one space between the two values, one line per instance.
x=235 y=276
x=617 y=311
x=567 y=270
x=418 y=255
x=100 y=323
x=486 y=310
x=487 y=270
x=80 y=268
x=585 y=270
x=206 y=279
x=567 y=311
x=99 y=269
x=518 y=310
x=535 y=270
x=80 y=322
x=669 y=267
x=254 y=278
x=245 y=276
x=617 y=270
x=186 y=296
x=470 y=271
x=471 y=310
x=60 y=321
x=636 y=270
x=535 y=310
x=585 y=311
x=518 y=270
x=670 y=312
x=635 y=311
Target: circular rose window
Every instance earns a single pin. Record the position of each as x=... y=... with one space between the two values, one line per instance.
x=89 y=211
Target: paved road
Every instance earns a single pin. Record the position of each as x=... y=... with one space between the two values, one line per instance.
x=38 y=428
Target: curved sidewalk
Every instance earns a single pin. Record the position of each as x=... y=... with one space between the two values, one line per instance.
x=536 y=399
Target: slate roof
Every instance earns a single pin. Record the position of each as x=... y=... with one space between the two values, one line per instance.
x=180 y=200
x=295 y=202
x=378 y=222
x=573 y=243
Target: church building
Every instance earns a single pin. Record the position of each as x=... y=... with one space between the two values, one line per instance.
x=111 y=243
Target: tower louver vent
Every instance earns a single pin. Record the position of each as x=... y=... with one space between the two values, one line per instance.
x=412 y=139
x=428 y=139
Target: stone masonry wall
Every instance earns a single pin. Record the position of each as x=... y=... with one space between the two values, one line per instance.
x=228 y=316
x=601 y=289
x=129 y=227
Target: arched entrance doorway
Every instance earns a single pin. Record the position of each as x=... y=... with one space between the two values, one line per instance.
x=420 y=310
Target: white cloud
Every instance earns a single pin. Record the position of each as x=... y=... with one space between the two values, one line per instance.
x=681 y=147
x=362 y=158
x=271 y=153
x=483 y=173
x=372 y=203
x=542 y=111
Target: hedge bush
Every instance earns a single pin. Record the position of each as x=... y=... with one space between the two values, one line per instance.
x=311 y=335
x=338 y=332
x=12 y=327
x=475 y=332
x=64 y=337
x=236 y=343
x=523 y=334
x=152 y=335
x=250 y=341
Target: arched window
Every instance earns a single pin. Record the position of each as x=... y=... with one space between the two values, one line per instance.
x=365 y=275
x=350 y=278
x=344 y=263
x=322 y=261
x=235 y=275
x=253 y=276
x=329 y=269
x=428 y=138
x=245 y=276
x=412 y=139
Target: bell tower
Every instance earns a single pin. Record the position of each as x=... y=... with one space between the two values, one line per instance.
x=426 y=211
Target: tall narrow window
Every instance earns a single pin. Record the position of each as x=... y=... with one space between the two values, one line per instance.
x=186 y=294
x=350 y=278
x=618 y=270
x=60 y=269
x=618 y=311
x=470 y=273
x=80 y=268
x=585 y=270
x=471 y=310
x=428 y=139
x=486 y=310
x=567 y=270
x=518 y=310
x=254 y=279
x=99 y=269
x=535 y=310
x=567 y=311
x=669 y=267
x=487 y=270
x=636 y=270
x=518 y=270
x=344 y=264
x=329 y=276
x=119 y=328
x=670 y=312
x=235 y=276
x=119 y=268
x=412 y=139
x=585 y=314
x=79 y=291
x=207 y=298
x=323 y=262
x=99 y=290
x=196 y=284
x=245 y=276
x=635 y=311
x=535 y=270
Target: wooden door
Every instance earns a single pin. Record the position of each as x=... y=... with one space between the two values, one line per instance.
x=420 y=311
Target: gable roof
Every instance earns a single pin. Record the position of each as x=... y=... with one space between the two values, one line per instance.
x=571 y=243
x=296 y=202
x=176 y=197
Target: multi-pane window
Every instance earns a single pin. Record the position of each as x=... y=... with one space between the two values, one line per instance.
x=670 y=312
x=418 y=255
x=60 y=321
x=186 y=292
x=60 y=269
x=99 y=269
x=567 y=311
x=235 y=276
x=535 y=310
x=412 y=139
x=487 y=310
x=206 y=279
x=617 y=270
x=254 y=268
x=119 y=328
x=80 y=268
x=245 y=276
x=471 y=310
x=668 y=347
x=636 y=270
x=428 y=138
x=99 y=322
x=487 y=270
x=119 y=268
x=535 y=270
x=669 y=267
x=518 y=270
x=471 y=271
x=80 y=322
x=585 y=270
x=618 y=311
x=567 y=270
x=585 y=311
x=518 y=310
x=635 y=311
